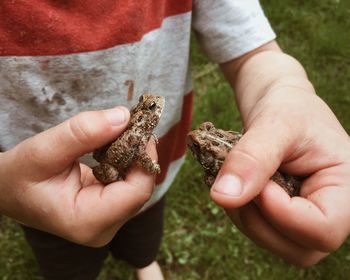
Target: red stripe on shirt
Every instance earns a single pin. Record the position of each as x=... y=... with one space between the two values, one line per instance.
x=172 y=146
x=53 y=27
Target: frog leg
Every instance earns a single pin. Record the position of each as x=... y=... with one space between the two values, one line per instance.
x=209 y=179
x=106 y=173
x=148 y=163
x=100 y=153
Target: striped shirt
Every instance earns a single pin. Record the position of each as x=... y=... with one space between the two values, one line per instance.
x=58 y=58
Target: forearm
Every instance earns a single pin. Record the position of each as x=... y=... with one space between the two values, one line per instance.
x=263 y=71
x=3 y=192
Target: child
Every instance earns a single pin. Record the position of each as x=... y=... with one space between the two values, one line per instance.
x=60 y=58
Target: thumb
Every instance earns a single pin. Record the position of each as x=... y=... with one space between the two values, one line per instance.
x=55 y=149
x=250 y=164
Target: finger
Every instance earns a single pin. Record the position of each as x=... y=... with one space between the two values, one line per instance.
x=87 y=178
x=102 y=210
x=51 y=151
x=138 y=188
x=250 y=221
x=250 y=164
x=315 y=221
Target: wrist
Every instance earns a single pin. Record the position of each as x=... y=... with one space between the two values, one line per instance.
x=295 y=83
x=267 y=74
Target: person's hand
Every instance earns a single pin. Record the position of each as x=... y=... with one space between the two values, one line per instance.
x=289 y=127
x=42 y=184
x=299 y=132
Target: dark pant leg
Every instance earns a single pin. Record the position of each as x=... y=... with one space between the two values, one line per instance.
x=138 y=241
x=60 y=259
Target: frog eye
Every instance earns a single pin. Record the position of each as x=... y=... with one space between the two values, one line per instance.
x=152 y=106
x=196 y=145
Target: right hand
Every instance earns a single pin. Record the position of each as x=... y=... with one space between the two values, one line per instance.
x=42 y=185
x=305 y=139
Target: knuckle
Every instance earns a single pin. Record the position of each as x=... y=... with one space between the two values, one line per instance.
x=245 y=221
x=331 y=240
x=145 y=197
x=305 y=263
x=80 y=129
x=140 y=201
x=254 y=150
x=308 y=259
x=246 y=152
x=246 y=161
x=248 y=219
x=33 y=152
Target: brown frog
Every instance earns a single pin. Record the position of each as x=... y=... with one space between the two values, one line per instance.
x=116 y=157
x=210 y=146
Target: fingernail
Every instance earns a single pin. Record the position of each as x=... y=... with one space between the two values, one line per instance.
x=229 y=185
x=116 y=116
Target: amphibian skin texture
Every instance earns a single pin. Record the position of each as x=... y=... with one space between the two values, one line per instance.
x=116 y=158
x=210 y=146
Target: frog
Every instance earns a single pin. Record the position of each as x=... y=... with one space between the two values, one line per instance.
x=116 y=158
x=210 y=146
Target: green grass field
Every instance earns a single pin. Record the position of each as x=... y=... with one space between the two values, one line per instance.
x=199 y=241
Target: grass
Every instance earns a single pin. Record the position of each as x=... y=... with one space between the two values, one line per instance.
x=199 y=241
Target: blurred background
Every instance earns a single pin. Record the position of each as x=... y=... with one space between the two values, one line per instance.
x=199 y=241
